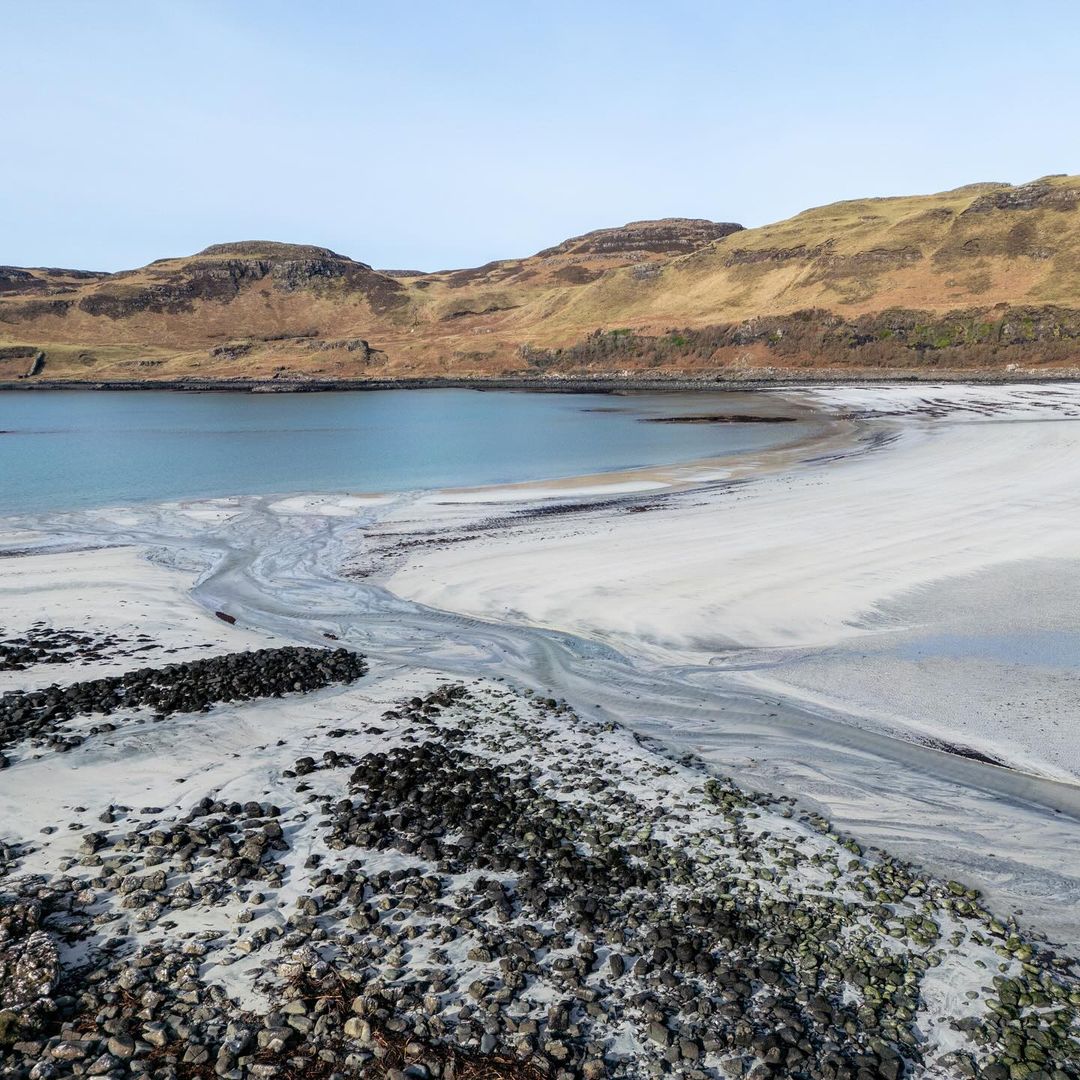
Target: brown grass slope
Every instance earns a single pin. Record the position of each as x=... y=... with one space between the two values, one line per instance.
x=983 y=279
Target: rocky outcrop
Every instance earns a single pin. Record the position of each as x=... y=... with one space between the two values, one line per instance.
x=668 y=236
x=466 y=312
x=231 y=350
x=303 y=273
x=15 y=280
x=898 y=338
x=351 y=345
x=1040 y=194
x=176 y=291
x=874 y=261
x=826 y=261
x=237 y=350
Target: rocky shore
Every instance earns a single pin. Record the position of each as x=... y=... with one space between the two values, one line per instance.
x=416 y=878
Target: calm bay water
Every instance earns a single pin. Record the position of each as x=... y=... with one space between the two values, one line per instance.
x=76 y=449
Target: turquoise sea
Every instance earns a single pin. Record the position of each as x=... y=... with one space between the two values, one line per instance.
x=74 y=449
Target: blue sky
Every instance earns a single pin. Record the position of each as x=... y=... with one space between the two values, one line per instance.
x=429 y=135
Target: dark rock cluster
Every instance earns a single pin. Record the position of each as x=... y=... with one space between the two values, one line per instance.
x=29 y=966
x=695 y=976
x=192 y=686
x=1039 y=194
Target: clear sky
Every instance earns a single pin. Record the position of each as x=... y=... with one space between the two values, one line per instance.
x=436 y=134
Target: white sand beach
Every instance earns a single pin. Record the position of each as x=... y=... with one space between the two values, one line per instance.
x=767 y=580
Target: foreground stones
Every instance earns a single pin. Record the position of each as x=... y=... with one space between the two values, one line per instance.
x=29 y=967
x=476 y=883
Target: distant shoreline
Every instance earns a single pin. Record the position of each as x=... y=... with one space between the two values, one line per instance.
x=570 y=385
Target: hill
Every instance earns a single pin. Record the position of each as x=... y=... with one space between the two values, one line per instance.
x=981 y=280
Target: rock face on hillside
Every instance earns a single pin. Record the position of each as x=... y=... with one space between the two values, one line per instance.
x=1040 y=193
x=899 y=339
x=219 y=273
x=271 y=249
x=668 y=236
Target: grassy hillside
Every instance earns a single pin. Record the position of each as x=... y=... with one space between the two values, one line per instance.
x=981 y=279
